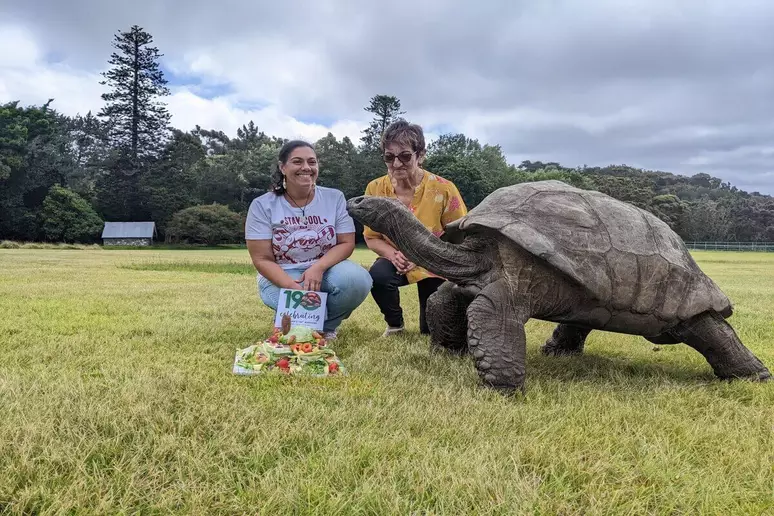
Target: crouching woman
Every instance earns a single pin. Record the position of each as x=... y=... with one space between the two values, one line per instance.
x=300 y=236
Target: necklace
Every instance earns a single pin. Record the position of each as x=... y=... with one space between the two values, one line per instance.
x=302 y=208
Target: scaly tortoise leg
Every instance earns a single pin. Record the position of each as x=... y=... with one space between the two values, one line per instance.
x=566 y=339
x=447 y=319
x=716 y=340
x=496 y=338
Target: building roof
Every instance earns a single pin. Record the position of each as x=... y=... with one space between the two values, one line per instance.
x=129 y=230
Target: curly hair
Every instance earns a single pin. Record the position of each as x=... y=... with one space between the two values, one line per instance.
x=284 y=154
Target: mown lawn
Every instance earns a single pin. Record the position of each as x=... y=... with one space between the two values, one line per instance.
x=116 y=396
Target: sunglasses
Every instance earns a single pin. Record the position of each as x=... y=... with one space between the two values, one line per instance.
x=404 y=157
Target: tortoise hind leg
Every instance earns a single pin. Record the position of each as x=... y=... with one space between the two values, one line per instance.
x=566 y=339
x=664 y=338
x=496 y=338
x=713 y=337
x=447 y=318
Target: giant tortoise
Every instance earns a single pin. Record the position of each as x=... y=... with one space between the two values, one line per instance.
x=550 y=251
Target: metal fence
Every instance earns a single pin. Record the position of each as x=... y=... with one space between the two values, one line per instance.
x=731 y=246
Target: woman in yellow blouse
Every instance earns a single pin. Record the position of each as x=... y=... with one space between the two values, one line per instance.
x=435 y=201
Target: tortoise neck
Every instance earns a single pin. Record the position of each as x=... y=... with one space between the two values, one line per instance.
x=457 y=263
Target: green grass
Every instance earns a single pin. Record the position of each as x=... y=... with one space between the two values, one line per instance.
x=116 y=396
x=157 y=246
x=184 y=266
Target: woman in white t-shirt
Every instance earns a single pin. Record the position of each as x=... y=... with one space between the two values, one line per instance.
x=300 y=235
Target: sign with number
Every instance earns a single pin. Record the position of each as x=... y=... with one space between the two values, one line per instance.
x=305 y=307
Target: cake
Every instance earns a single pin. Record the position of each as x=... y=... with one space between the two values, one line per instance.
x=299 y=350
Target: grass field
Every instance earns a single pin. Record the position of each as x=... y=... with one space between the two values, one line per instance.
x=116 y=396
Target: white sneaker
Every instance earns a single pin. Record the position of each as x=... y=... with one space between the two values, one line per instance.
x=392 y=331
x=330 y=335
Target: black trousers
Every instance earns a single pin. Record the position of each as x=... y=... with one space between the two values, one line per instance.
x=385 y=292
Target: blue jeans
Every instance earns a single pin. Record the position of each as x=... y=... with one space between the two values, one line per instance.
x=346 y=283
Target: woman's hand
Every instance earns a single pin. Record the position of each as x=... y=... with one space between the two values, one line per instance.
x=291 y=284
x=401 y=262
x=311 y=279
x=263 y=260
x=388 y=252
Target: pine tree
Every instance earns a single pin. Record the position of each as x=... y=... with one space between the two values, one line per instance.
x=139 y=123
x=386 y=110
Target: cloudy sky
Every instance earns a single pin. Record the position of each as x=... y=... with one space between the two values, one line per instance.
x=685 y=87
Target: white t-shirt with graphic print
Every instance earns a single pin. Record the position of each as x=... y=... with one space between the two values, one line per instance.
x=298 y=243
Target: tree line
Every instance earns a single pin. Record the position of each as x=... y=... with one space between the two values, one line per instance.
x=61 y=177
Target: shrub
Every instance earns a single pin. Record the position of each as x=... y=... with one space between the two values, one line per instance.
x=210 y=224
x=67 y=217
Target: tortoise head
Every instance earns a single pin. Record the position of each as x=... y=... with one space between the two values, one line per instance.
x=382 y=214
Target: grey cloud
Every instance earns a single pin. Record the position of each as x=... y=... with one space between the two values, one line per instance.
x=83 y=29
x=682 y=87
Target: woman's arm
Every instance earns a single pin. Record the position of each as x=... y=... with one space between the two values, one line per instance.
x=258 y=238
x=376 y=242
x=380 y=246
x=311 y=279
x=345 y=245
x=263 y=260
x=388 y=252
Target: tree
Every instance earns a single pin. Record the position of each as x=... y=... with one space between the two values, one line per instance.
x=34 y=155
x=171 y=184
x=634 y=190
x=13 y=138
x=67 y=217
x=215 y=142
x=457 y=145
x=210 y=224
x=475 y=170
x=236 y=177
x=669 y=208
x=89 y=147
x=338 y=165
x=534 y=166
x=138 y=122
x=707 y=221
x=386 y=109
x=248 y=137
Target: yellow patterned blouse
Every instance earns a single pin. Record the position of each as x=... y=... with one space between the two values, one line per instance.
x=436 y=203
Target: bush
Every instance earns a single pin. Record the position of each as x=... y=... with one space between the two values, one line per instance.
x=10 y=244
x=210 y=224
x=37 y=245
x=67 y=217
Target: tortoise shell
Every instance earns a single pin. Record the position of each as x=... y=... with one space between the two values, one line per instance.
x=626 y=257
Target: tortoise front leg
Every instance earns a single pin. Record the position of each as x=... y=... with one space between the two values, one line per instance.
x=447 y=318
x=496 y=338
x=712 y=336
x=567 y=339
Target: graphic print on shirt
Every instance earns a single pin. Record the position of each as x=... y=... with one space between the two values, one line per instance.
x=296 y=242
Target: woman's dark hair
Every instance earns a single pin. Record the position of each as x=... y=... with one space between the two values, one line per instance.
x=284 y=154
x=404 y=133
